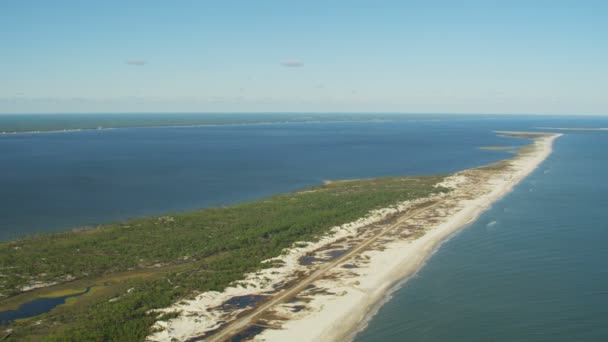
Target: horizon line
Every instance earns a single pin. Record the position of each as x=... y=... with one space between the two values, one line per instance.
x=302 y=112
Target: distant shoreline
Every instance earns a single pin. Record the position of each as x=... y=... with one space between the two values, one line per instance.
x=197 y=126
x=42 y=123
x=75 y=122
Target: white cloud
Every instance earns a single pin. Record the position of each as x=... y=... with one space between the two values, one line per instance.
x=137 y=62
x=292 y=63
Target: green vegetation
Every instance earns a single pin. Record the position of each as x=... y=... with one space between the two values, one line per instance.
x=143 y=264
x=498 y=166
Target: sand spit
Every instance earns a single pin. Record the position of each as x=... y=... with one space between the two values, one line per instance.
x=346 y=281
x=576 y=128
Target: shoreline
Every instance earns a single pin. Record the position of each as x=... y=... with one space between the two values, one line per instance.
x=260 y=123
x=358 y=310
x=342 y=296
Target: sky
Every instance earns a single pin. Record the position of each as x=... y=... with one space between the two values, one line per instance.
x=542 y=57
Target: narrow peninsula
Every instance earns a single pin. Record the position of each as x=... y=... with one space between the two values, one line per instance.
x=305 y=266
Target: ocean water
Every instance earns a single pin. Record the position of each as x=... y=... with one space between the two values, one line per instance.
x=532 y=268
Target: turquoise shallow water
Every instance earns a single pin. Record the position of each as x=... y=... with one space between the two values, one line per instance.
x=532 y=268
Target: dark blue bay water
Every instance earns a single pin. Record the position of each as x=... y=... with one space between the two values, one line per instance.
x=52 y=181
x=532 y=268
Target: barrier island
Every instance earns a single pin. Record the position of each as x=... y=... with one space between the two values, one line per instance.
x=297 y=266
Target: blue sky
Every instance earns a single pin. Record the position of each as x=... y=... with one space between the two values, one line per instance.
x=301 y=56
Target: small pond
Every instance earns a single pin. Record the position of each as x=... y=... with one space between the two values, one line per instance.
x=36 y=307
